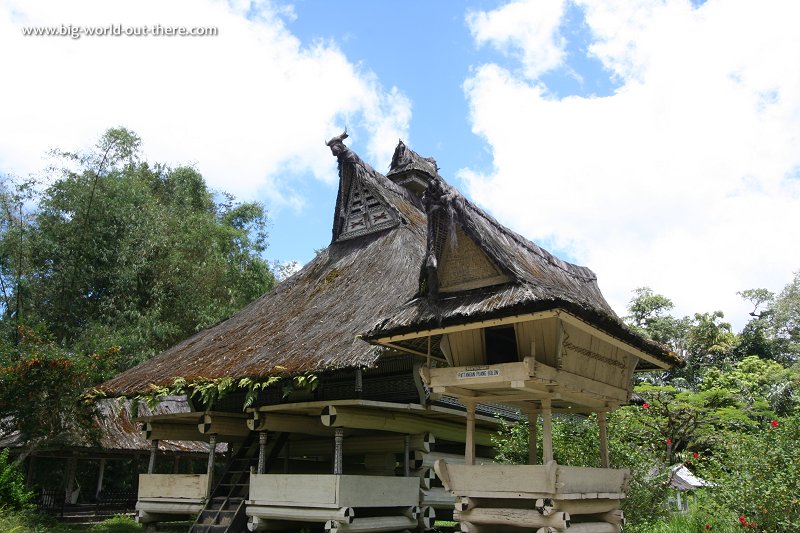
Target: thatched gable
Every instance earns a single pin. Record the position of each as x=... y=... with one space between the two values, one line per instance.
x=310 y=321
x=477 y=269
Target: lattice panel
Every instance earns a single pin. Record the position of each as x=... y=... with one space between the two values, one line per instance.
x=365 y=213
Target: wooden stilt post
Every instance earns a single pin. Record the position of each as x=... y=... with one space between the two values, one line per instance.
x=287 y=450
x=262 y=452
x=533 y=424
x=338 y=441
x=212 y=449
x=29 y=478
x=406 y=453
x=428 y=360
x=601 y=423
x=151 y=466
x=100 y=473
x=69 y=480
x=359 y=383
x=469 y=452
x=547 y=432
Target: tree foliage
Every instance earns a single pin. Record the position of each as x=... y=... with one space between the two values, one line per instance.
x=110 y=262
x=121 y=252
x=13 y=494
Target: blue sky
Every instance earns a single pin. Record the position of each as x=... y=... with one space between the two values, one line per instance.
x=655 y=142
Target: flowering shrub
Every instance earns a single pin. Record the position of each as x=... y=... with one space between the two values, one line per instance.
x=757 y=476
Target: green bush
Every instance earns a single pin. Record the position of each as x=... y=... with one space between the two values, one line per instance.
x=757 y=476
x=699 y=520
x=117 y=524
x=13 y=493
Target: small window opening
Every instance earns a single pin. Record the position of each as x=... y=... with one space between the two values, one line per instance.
x=501 y=345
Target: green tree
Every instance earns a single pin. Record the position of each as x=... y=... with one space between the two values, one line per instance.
x=774 y=329
x=786 y=313
x=759 y=384
x=649 y=315
x=121 y=252
x=13 y=494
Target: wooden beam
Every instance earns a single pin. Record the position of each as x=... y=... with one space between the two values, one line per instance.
x=577 y=383
x=219 y=424
x=426 y=460
x=255 y=523
x=586 y=401
x=589 y=506
x=478 y=376
x=359 y=418
x=436 y=497
x=281 y=423
x=399 y=348
x=158 y=430
x=373 y=524
x=524 y=518
x=614 y=341
x=301 y=514
x=594 y=527
x=361 y=444
x=472 y=325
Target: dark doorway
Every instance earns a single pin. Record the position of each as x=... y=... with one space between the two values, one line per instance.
x=501 y=345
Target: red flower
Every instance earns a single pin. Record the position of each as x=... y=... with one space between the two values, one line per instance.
x=669 y=441
x=753 y=523
x=774 y=423
x=645 y=405
x=696 y=455
x=708 y=526
x=743 y=520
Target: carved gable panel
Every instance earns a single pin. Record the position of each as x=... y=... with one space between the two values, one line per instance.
x=463 y=266
x=365 y=213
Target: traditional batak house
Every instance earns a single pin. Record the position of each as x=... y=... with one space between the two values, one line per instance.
x=421 y=321
x=114 y=451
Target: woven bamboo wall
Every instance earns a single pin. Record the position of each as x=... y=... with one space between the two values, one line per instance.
x=465 y=266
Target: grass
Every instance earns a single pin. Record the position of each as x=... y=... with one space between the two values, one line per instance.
x=31 y=522
x=697 y=521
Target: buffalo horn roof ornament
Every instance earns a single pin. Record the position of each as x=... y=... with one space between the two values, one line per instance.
x=337 y=145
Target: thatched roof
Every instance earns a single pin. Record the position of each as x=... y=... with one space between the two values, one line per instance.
x=116 y=432
x=310 y=321
x=377 y=265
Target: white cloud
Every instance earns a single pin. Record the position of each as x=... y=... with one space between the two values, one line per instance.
x=523 y=28
x=251 y=106
x=685 y=179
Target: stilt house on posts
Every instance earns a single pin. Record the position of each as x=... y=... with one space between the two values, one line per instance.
x=422 y=319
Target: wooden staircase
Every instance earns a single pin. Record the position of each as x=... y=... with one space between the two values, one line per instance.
x=224 y=510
